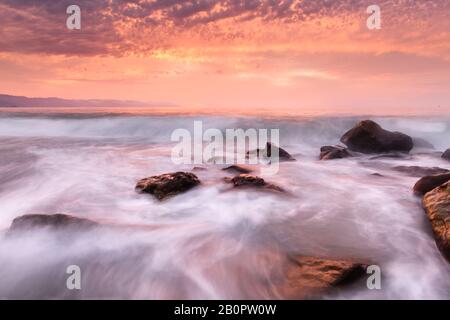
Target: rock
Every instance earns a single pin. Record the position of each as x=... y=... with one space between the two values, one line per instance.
x=368 y=137
x=309 y=277
x=446 y=155
x=54 y=221
x=437 y=207
x=333 y=152
x=422 y=143
x=416 y=171
x=376 y=174
x=428 y=183
x=167 y=185
x=238 y=169
x=248 y=180
x=267 y=152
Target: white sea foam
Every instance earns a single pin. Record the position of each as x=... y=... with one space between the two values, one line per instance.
x=209 y=242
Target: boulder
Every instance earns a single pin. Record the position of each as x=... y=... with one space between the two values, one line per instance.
x=369 y=137
x=417 y=171
x=248 y=180
x=53 y=221
x=437 y=206
x=310 y=277
x=428 y=183
x=283 y=155
x=167 y=185
x=376 y=174
x=333 y=152
x=446 y=155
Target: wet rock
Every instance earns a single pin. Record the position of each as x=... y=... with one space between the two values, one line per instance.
x=247 y=180
x=422 y=143
x=333 y=152
x=417 y=171
x=54 y=221
x=238 y=169
x=437 y=207
x=428 y=183
x=368 y=137
x=167 y=185
x=309 y=277
x=376 y=174
x=446 y=155
x=283 y=155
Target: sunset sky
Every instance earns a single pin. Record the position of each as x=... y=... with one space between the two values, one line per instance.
x=300 y=55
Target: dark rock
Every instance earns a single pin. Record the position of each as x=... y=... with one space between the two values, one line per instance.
x=248 y=180
x=368 y=137
x=437 y=207
x=238 y=169
x=416 y=171
x=54 y=221
x=310 y=277
x=446 y=155
x=422 y=143
x=267 y=152
x=333 y=152
x=428 y=183
x=167 y=185
x=376 y=174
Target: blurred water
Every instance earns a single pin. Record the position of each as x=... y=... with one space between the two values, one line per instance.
x=209 y=242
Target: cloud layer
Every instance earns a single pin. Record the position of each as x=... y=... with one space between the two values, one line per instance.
x=229 y=52
x=119 y=27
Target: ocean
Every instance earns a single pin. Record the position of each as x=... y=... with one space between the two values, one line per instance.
x=210 y=242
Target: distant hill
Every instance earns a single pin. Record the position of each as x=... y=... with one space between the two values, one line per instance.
x=20 y=101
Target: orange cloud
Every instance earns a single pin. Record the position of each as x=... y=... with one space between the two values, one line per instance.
x=230 y=53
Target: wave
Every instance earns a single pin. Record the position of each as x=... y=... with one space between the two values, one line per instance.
x=158 y=129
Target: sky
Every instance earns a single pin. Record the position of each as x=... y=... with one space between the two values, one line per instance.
x=298 y=56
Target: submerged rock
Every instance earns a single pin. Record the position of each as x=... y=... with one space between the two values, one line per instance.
x=369 y=137
x=248 y=180
x=309 y=277
x=271 y=148
x=58 y=220
x=437 y=207
x=393 y=156
x=422 y=143
x=446 y=155
x=333 y=152
x=428 y=183
x=167 y=185
x=238 y=169
x=199 y=169
x=376 y=174
x=417 y=171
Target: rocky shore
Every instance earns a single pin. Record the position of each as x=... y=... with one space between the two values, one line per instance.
x=305 y=276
